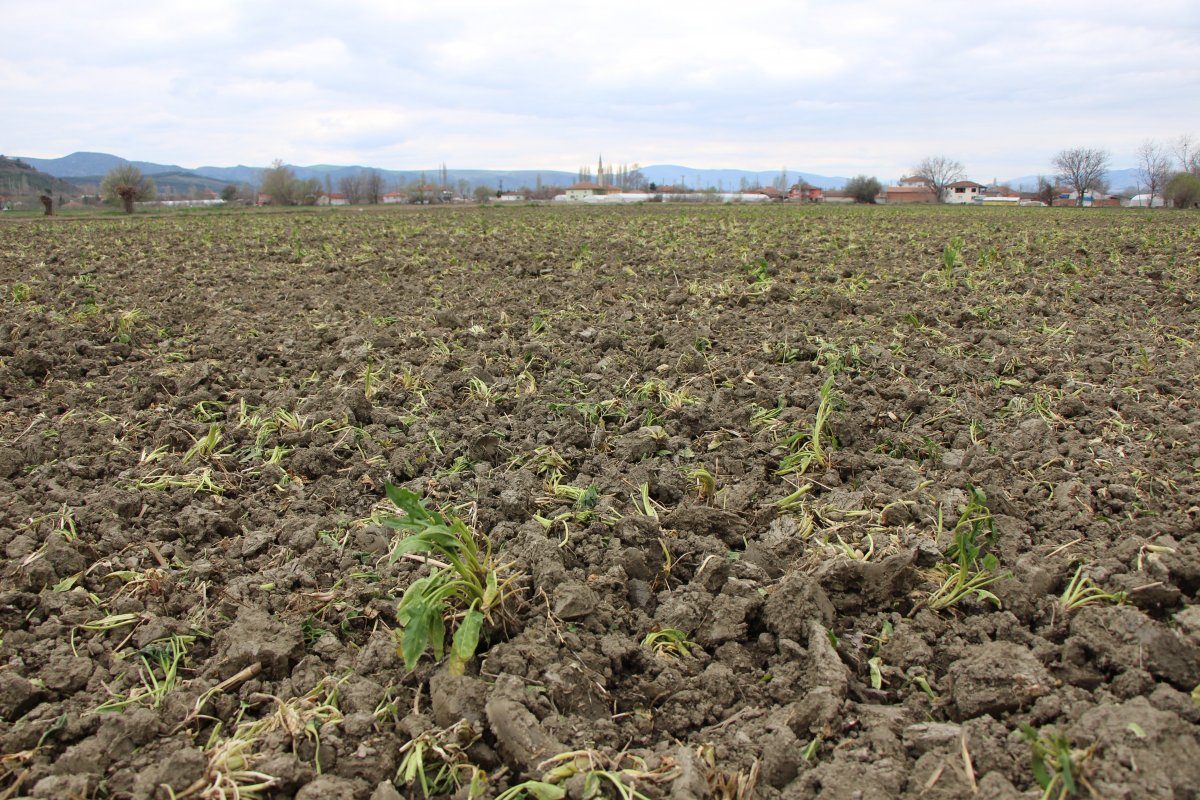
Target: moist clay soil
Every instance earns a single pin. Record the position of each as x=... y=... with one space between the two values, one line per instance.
x=778 y=502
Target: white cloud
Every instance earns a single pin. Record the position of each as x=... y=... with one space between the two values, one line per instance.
x=864 y=85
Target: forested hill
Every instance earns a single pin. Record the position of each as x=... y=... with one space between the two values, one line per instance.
x=19 y=178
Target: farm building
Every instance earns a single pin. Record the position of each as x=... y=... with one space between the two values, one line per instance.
x=837 y=197
x=909 y=193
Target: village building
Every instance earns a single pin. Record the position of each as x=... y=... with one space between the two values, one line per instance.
x=332 y=199
x=803 y=193
x=963 y=192
x=908 y=191
x=584 y=189
x=769 y=191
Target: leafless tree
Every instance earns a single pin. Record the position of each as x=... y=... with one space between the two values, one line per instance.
x=1046 y=190
x=372 y=186
x=1154 y=165
x=938 y=172
x=352 y=187
x=1187 y=153
x=781 y=182
x=1081 y=168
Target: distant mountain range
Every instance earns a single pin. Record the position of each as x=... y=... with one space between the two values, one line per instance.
x=86 y=167
x=89 y=168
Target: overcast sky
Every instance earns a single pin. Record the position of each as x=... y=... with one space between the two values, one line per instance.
x=836 y=88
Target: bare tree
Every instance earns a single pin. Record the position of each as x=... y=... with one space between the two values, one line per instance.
x=352 y=187
x=1046 y=190
x=1081 y=168
x=372 y=186
x=125 y=183
x=938 y=172
x=781 y=181
x=1187 y=154
x=1154 y=167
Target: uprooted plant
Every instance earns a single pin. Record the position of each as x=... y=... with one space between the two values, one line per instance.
x=458 y=596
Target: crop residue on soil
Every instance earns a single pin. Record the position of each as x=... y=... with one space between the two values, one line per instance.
x=790 y=503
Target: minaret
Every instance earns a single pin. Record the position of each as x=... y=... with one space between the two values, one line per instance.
x=600 y=171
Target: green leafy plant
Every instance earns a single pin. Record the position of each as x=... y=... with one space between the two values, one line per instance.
x=436 y=762
x=124 y=324
x=619 y=774
x=706 y=482
x=643 y=503
x=161 y=661
x=538 y=790
x=1057 y=767
x=1082 y=591
x=811 y=447
x=459 y=595
x=670 y=642
x=951 y=258
x=969 y=569
x=205 y=447
x=757 y=272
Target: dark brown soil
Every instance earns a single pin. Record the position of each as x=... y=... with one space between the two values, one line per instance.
x=199 y=415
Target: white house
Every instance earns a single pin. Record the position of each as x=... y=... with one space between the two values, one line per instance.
x=962 y=192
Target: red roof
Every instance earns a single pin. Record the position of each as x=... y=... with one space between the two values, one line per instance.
x=585 y=185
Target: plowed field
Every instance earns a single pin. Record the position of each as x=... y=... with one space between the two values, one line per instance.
x=686 y=502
